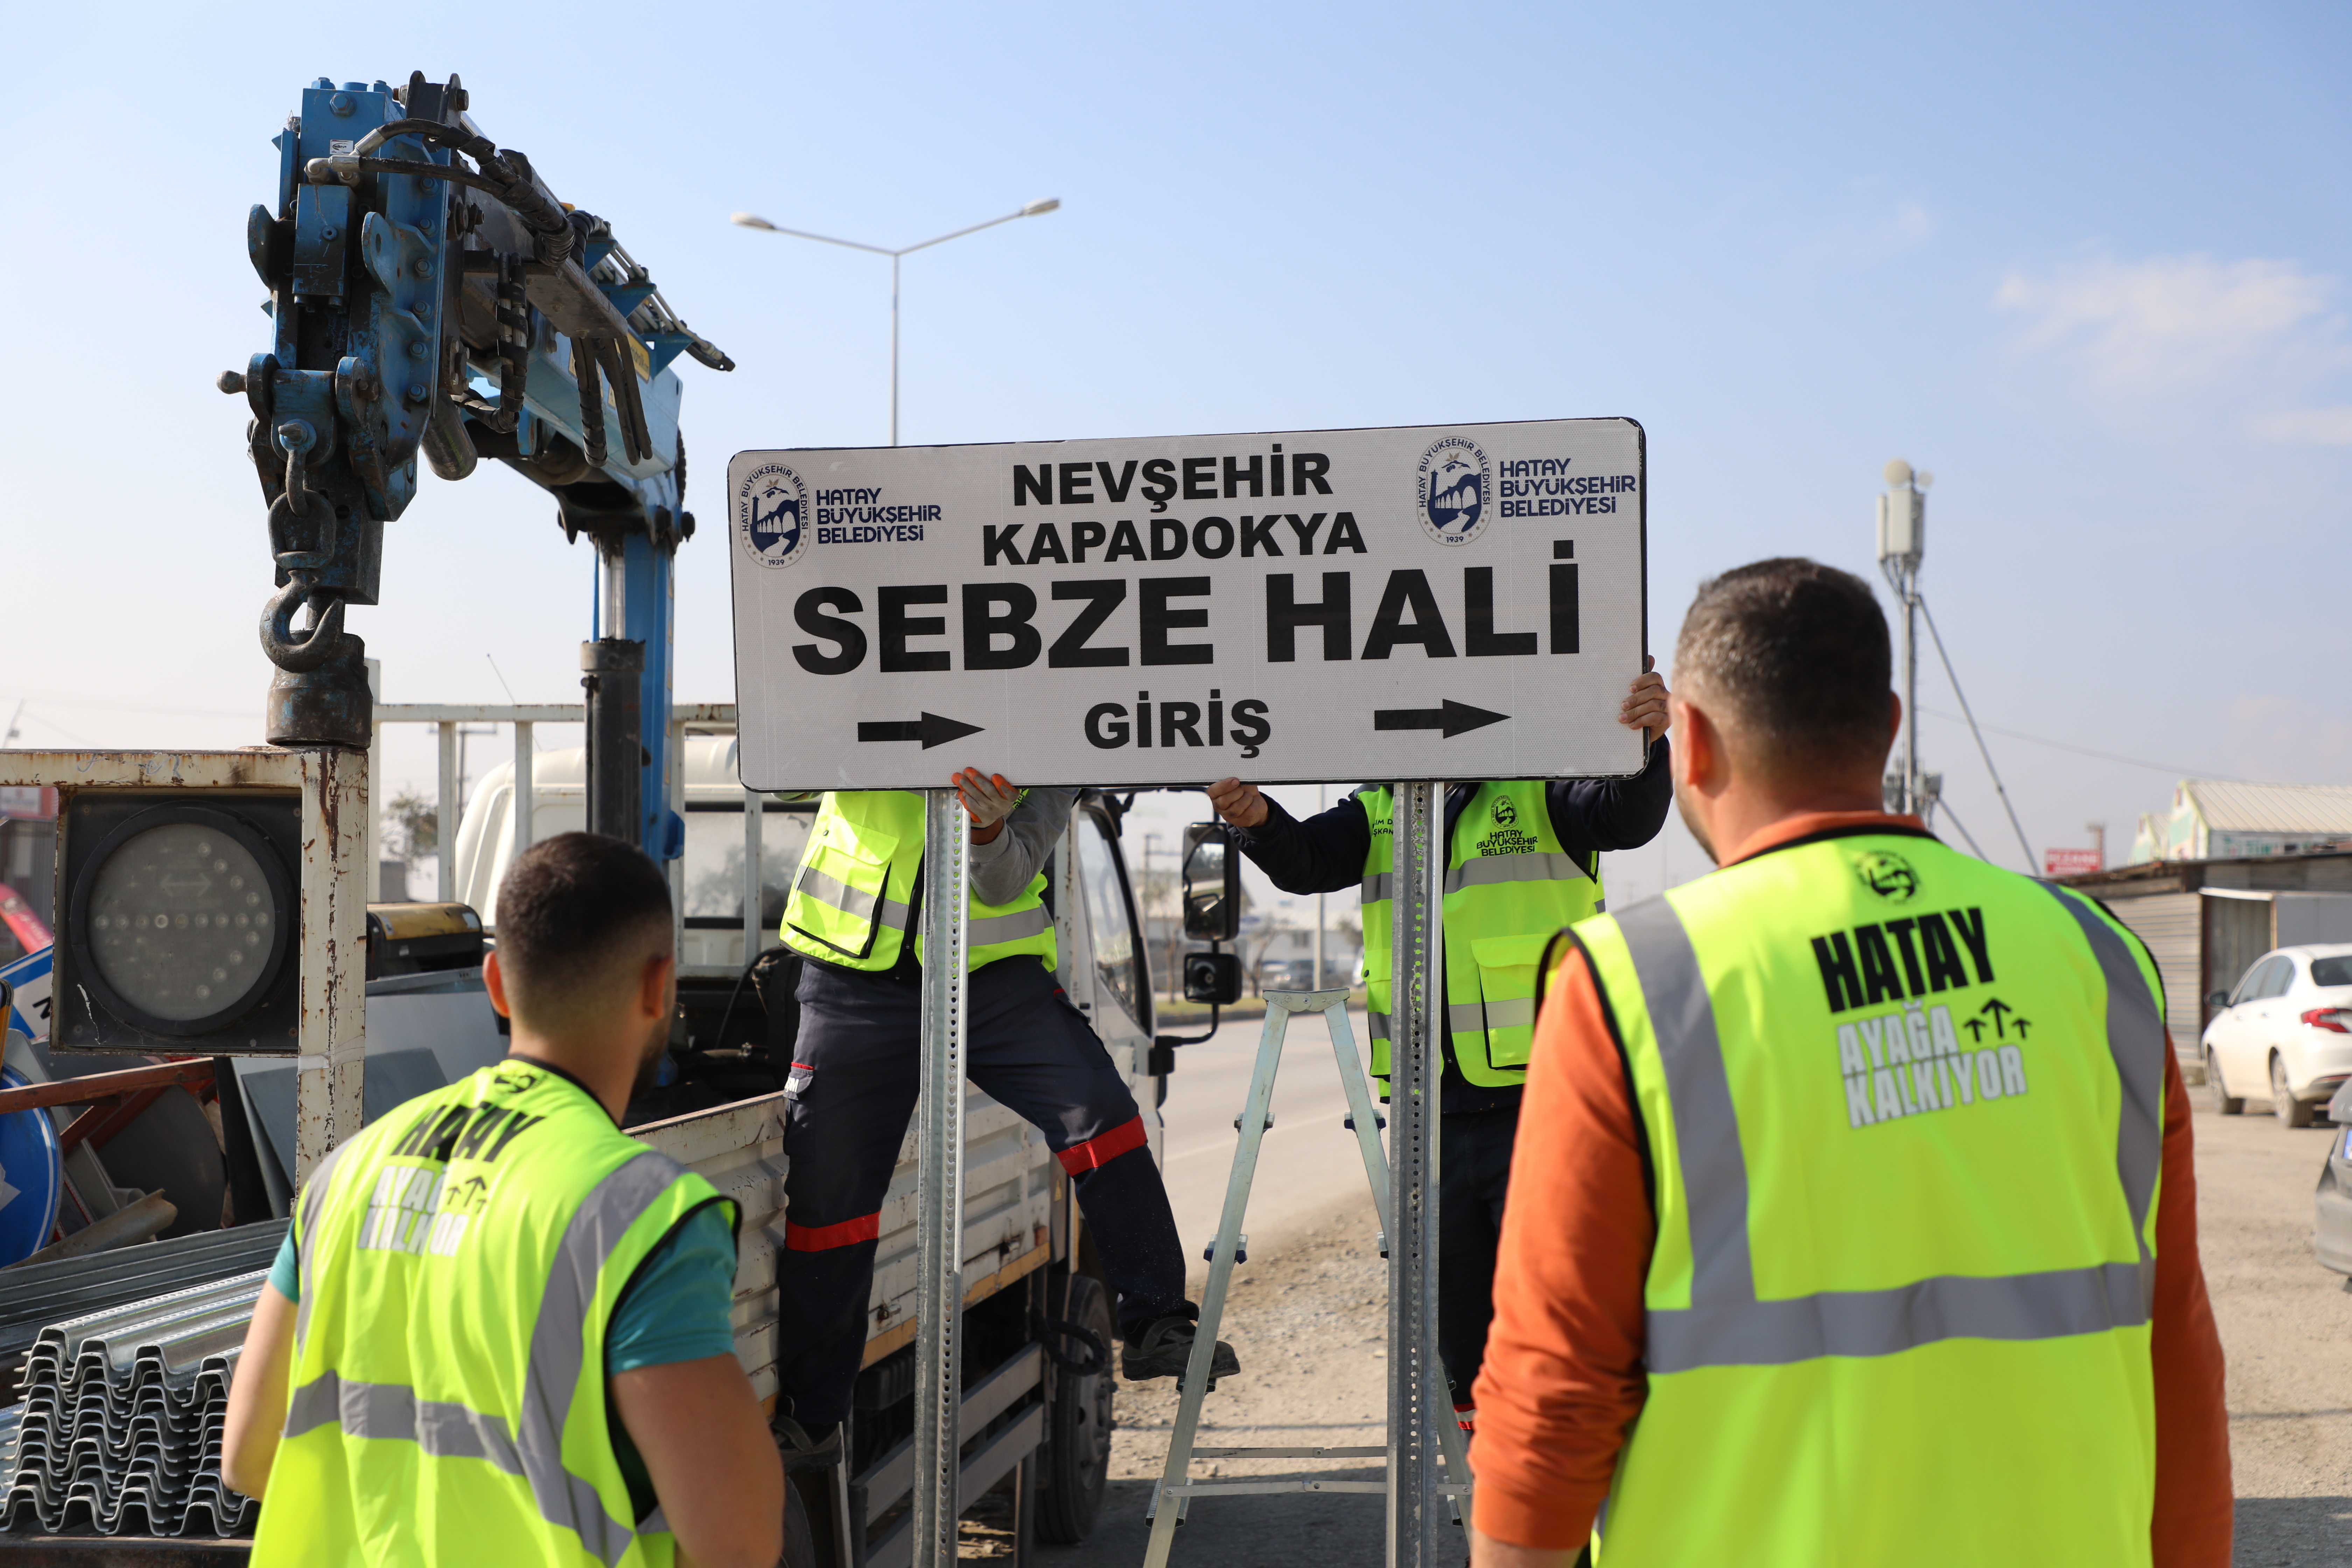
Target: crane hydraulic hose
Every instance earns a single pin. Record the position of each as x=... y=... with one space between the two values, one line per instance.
x=506 y=175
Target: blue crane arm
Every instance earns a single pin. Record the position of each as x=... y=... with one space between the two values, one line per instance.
x=431 y=299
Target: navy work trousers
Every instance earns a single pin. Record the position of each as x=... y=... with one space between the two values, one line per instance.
x=856 y=1071
x=1473 y=1174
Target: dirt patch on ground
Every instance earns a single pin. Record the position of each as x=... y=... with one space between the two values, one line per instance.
x=1309 y=1323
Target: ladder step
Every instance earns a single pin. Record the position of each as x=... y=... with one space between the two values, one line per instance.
x=1277 y=1453
x=1268 y=1488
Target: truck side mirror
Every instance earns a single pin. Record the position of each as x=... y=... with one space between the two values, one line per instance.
x=1213 y=884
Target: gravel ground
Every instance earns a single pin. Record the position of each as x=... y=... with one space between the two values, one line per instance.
x=2286 y=1328
x=1309 y=1321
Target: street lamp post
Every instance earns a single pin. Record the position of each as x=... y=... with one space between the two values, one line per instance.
x=753 y=220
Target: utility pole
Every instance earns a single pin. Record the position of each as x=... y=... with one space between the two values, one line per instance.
x=1902 y=543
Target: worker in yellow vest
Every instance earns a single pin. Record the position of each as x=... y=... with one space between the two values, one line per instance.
x=500 y=1329
x=854 y=918
x=1522 y=859
x=1863 y=1228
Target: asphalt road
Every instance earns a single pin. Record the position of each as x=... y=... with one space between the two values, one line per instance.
x=1307 y=1163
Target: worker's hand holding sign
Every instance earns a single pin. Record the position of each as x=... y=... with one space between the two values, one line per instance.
x=990 y=800
x=1644 y=707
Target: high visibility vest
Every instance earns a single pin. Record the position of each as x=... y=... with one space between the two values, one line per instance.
x=1906 y=1115
x=1509 y=886
x=850 y=899
x=461 y=1260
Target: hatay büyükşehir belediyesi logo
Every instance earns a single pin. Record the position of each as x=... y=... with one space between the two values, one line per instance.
x=772 y=515
x=1451 y=483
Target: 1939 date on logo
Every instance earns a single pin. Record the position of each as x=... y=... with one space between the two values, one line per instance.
x=772 y=515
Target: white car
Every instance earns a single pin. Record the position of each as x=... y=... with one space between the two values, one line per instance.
x=2288 y=1026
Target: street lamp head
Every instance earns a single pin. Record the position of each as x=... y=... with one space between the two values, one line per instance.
x=1039 y=209
x=1899 y=472
x=753 y=220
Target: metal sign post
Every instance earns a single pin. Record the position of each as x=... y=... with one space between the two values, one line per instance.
x=939 y=1224
x=1416 y=1014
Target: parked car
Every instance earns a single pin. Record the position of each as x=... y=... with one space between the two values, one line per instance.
x=2287 y=1025
x=2331 y=1223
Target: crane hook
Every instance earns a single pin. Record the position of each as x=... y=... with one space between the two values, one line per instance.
x=320 y=642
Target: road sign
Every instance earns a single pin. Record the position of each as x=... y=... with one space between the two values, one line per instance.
x=2070 y=862
x=1455 y=601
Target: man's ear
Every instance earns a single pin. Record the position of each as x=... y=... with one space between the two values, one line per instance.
x=494 y=981
x=1701 y=748
x=653 y=985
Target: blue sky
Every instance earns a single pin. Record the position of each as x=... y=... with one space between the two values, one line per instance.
x=2087 y=264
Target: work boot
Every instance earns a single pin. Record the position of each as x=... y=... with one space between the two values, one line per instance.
x=802 y=1452
x=1164 y=1347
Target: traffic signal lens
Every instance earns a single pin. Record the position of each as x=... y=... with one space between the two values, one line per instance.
x=182 y=922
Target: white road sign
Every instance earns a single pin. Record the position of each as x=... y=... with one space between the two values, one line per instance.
x=1455 y=601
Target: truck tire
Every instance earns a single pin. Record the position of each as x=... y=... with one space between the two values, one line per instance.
x=1073 y=1469
x=800 y=1540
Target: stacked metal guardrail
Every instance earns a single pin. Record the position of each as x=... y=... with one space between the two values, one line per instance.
x=120 y=1428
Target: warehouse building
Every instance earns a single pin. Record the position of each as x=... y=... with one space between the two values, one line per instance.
x=2218 y=819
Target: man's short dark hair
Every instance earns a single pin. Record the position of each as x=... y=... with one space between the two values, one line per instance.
x=571 y=908
x=1798 y=654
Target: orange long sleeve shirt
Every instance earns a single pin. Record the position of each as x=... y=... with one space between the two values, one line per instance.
x=1563 y=1380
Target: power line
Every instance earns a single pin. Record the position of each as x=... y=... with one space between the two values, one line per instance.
x=1963 y=827
x=2174 y=770
x=1999 y=788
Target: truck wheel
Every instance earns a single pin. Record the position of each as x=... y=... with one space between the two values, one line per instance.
x=2225 y=1102
x=2290 y=1111
x=800 y=1540
x=1075 y=1469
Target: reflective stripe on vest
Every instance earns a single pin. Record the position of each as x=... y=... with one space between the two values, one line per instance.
x=995 y=930
x=1485 y=871
x=888 y=913
x=1726 y=1325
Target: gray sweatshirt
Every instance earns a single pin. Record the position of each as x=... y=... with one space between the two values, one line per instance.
x=1003 y=866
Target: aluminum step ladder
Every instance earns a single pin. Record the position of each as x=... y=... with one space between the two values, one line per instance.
x=1173 y=1497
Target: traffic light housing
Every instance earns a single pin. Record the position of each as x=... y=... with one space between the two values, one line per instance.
x=180 y=925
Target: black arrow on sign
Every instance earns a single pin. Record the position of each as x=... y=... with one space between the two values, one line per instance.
x=1452 y=718
x=930 y=730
